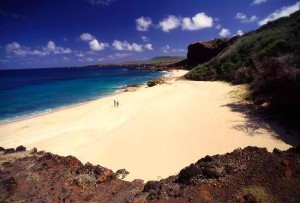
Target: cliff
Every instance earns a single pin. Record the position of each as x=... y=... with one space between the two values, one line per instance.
x=201 y=52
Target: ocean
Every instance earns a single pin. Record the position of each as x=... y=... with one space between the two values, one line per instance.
x=36 y=91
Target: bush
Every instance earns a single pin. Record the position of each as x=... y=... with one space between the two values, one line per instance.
x=277 y=83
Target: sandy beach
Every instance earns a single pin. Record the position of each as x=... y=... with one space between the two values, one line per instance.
x=154 y=133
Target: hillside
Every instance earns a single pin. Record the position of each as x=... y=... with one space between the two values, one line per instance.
x=267 y=59
x=240 y=176
x=156 y=61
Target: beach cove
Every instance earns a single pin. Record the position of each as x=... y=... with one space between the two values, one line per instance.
x=154 y=132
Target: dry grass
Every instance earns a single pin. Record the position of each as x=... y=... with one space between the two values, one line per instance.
x=259 y=193
x=240 y=94
x=85 y=179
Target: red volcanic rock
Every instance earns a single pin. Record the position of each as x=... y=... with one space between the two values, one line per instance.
x=244 y=175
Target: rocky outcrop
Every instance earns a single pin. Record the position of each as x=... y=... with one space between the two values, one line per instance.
x=245 y=175
x=38 y=176
x=157 y=81
x=202 y=52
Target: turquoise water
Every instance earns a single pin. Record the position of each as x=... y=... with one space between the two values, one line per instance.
x=36 y=91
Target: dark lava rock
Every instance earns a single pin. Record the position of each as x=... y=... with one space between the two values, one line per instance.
x=9 y=151
x=8 y=186
x=202 y=52
x=157 y=81
x=152 y=185
x=213 y=171
x=277 y=151
x=189 y=172
x=20 y=148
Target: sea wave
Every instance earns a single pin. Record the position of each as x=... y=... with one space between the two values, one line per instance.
x=20 y=117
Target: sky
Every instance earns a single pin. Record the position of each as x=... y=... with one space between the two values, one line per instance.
x=64 y=33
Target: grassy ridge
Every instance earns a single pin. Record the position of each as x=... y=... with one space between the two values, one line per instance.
x=159 y=61
x=268 y=59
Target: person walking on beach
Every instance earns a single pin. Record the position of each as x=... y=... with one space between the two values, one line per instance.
x=115 y=103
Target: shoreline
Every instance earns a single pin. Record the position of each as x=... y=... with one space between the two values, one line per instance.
x=144 y=134
x=117 y=92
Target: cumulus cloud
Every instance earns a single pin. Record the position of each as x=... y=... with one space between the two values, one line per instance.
x=125 y=46
x=224 y=32
x=257 y=2
x=169 y=23
x=95 y=45
x=13 y=46
x=239 y=32
x=145 y=39
x=148 y=46
x=244 y=19
x=50 y=48
x=282 y=12
x=218 y=27
x=143 y=24
x=199 y=21
x=86 y=37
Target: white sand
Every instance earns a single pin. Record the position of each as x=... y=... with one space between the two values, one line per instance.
x=154 y=133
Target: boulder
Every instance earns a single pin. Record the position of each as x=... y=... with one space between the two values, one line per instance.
x=9 y=151
x=20 y=148
x=157 y=81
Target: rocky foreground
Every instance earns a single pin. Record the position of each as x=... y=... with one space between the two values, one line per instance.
x=244 y=175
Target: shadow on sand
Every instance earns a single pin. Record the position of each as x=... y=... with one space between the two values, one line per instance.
x=257 y=120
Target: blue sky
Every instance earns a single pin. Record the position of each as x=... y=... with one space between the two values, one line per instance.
x=58 y=33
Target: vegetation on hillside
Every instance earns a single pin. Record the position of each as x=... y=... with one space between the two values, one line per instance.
x=156 y=61
x=268 y=59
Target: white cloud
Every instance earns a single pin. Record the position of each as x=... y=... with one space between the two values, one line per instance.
x=282 y=12
x=145 y=39
x=240 y=16
x=125 y=46
x=4 y=60
x=166 y=49
x=143 y=24
x=244 y=19
x=178 y=50
x=224 y=32
x=13 y=46
x=50 y=48
x=96 y=46
x=218 y=27
x=148 y=46
x=118 y=55
x=169 y=23
x=89 y=59
x=256 y=2
x=100 y=2
x=240 y=32
x=199 y=21
x=137 y=47
x=86 y=37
